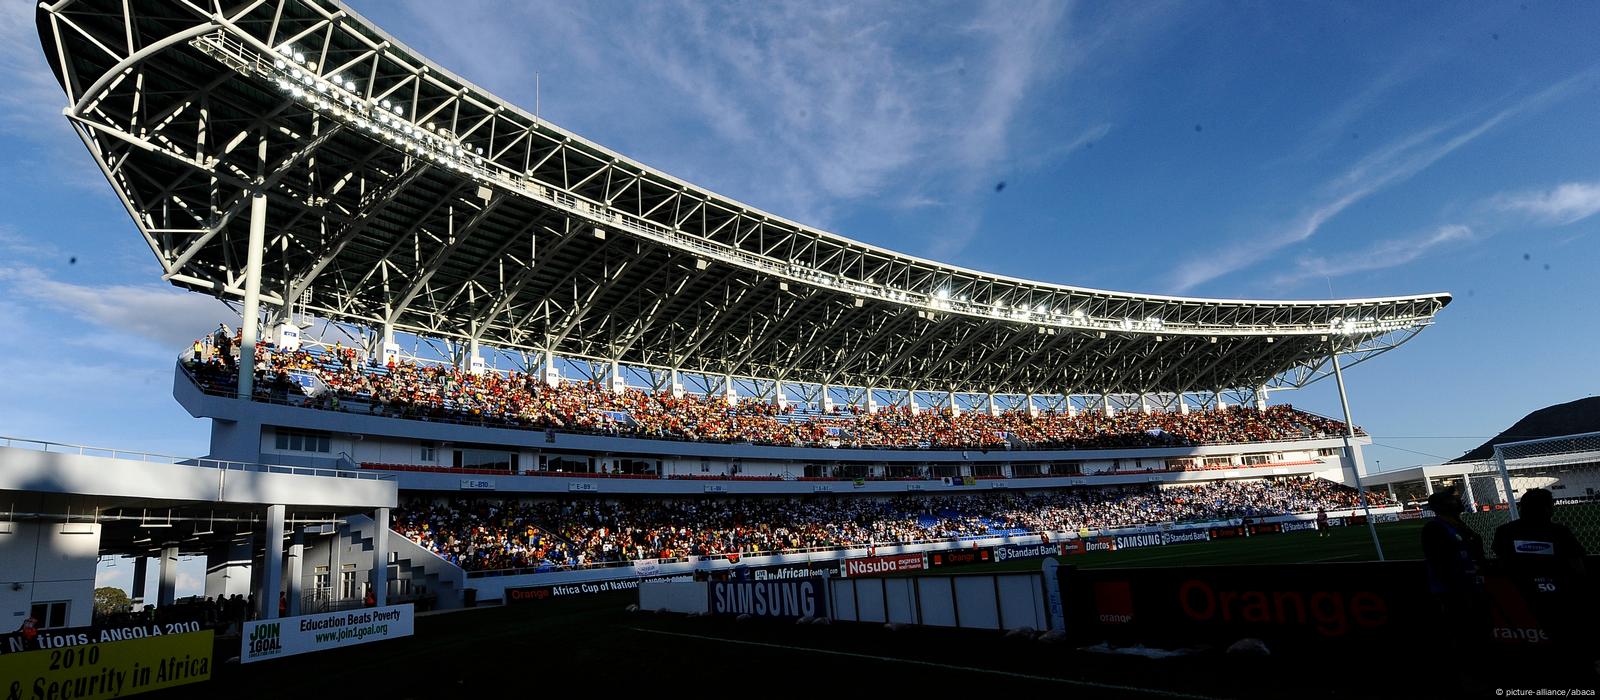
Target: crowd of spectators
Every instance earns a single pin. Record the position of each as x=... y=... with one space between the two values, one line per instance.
x=222 y=612
x=339 y=380
x=574 y=532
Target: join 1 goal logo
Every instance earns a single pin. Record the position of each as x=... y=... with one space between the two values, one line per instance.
x=266 y=640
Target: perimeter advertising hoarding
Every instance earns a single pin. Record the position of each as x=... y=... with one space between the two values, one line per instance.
x=960 y=557
x=1383 y=604
x=1380 y=602
x=1157 y=539
x=1085 y=545
x=887 y=564
x=784 y=600
x=95 y=634
x=534 y=594
x=288 y=636
x=94 y=669
x=1008 y=552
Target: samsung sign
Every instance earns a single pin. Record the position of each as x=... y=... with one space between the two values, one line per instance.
x=1156 y=539
x=786 y=599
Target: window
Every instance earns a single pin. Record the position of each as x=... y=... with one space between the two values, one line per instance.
x=347 y=582
x=1218 y=461
x=302 y=441
x=428 y=454
x=1328 y=452
x=50 y=614
x=1251 y=460
x=320 y=579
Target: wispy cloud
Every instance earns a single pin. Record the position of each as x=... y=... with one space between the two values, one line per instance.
x=1383 y=168
x=1381 y=255
x=165 y=317
x=1566 y=204
x=809 y=111
x=30 y=105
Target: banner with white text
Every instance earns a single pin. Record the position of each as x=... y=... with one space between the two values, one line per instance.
x=287 y=636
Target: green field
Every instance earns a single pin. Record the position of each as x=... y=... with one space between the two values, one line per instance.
x=1400 y=541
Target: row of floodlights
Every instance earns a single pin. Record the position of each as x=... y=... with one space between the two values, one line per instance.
x=387 y=118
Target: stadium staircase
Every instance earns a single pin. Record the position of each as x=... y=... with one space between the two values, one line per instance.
x=423 y=567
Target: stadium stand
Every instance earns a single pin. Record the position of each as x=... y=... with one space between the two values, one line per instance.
x=567 y=533
x=438 y=392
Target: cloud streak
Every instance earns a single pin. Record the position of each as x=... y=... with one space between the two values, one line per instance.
x=1381 y=255
x=808 y=111
x=1565 y=204
x=1379 y=170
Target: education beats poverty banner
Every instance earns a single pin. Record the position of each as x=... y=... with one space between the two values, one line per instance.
x=287 y=636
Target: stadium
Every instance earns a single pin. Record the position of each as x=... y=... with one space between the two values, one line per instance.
x=483 y=361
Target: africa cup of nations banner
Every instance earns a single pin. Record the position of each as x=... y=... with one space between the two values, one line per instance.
x=781 y=599
x=87 y=668
x=287 y=636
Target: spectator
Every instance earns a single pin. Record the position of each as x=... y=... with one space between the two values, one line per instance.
x=521 y=400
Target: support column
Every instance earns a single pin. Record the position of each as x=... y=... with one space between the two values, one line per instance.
x=872 y=400
x=166 y=591
x=475 y=364
x=390 y=350
x=677 y=385
x=295 y=570
x=380 y=557
x=1072 y=411
x=1466 y=487
x=955 y=409
x=1352 y=454
x=615 y=382
x=729 y=394
x=272 y=563
x=552 y=373
x=827 y=400
x=1221 y=402
x=252 y=287
x=1144 y=404
x=1183 y=405
x=1261 y=399
x=228 y=568
x=141 y=565
x=1105 y=402
x=1033 y=408
x=994 y=408
x=1427 y=484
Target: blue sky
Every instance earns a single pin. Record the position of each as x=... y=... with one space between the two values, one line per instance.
x=1283 y=150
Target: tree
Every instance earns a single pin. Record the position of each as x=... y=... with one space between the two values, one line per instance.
x=109 y=599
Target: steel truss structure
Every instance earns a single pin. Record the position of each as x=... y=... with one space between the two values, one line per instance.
x=401 y=197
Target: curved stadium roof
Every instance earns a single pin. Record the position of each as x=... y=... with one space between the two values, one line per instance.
x=402 y=195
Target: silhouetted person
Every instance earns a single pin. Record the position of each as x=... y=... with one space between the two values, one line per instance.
x=1545 y=562
x=1455 y=559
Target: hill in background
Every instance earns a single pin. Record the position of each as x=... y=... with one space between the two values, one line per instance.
x=1581 y=416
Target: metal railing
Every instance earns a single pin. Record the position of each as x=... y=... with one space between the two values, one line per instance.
x=158 y=458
